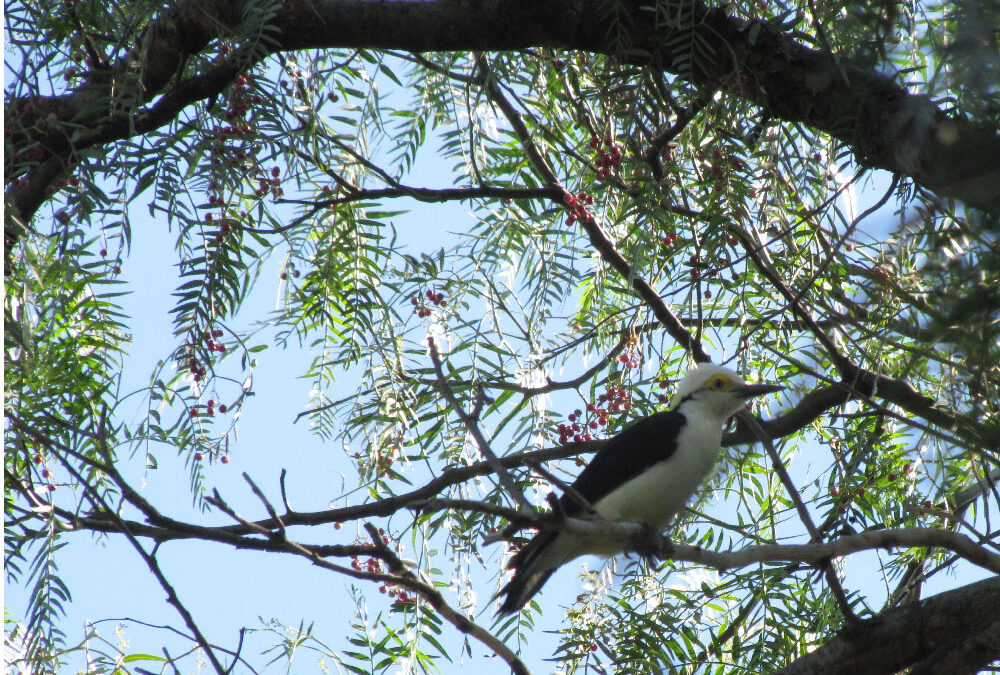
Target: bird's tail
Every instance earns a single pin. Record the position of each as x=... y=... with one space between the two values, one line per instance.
x=531 y=570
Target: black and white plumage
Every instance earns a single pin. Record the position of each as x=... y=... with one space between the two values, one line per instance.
x=644 y=474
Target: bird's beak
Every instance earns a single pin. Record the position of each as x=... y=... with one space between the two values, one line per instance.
x=748 y=391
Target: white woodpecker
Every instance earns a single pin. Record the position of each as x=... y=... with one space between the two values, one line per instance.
x=644 y=474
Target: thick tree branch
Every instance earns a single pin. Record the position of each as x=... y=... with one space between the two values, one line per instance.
x=885 y=125
x=952 y=623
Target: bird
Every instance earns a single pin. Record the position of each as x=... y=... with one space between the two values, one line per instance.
x=645 y=474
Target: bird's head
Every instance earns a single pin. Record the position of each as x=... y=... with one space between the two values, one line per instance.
x=718 y=389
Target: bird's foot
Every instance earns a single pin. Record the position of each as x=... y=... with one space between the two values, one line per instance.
x=649 y=543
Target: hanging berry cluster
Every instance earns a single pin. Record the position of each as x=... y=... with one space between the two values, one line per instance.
x=209 y=409
x=580 y=427
x=609 y=157
x=661 y=397
x=269 y=183
x=211 y=343
x=420 y=307
x=240 y=101
x=630 y=358
x=289 y=269
x=196 y=369
x=720 y=166
x=577 y=205
x=669 y=239
x=385 y=460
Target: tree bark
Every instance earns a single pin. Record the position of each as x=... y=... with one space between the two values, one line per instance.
x=953 y=632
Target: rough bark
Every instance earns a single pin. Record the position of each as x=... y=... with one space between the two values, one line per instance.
x=955 y=629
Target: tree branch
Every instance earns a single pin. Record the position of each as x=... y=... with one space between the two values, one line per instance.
x=952 y=623
x=886 y=126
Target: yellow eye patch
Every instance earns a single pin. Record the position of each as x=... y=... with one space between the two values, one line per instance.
x=719 y=383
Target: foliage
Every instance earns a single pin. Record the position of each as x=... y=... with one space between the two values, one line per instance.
x=623 y=218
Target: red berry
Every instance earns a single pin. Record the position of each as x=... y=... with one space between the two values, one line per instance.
x=223 y=408
x=46 y=473
x=198 y=456
x=37 y=459
x=224 y=459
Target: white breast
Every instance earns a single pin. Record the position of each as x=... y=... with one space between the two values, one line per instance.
x=663 y=489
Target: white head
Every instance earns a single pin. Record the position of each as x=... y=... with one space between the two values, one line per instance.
x=719 y=390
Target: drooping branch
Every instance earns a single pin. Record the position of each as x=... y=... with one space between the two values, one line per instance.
x=598 y=237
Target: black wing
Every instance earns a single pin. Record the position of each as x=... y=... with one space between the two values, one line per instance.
x=626 y=455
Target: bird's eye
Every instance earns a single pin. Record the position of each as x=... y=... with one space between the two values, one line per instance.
x=719 y=383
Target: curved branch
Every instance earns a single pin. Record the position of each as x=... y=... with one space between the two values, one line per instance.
x=885 y=125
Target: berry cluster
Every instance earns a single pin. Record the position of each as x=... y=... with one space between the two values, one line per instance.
x=574 y=432
x=199 y=456
x=420 y=307
x=720 y=166
x=210 y=409
x=211 y=343
x=47 y=474
x=630 y=358
x=386 y=459
x=240 y=101
x=663 y=398
x=844 y=495
x=374 y=566
x=269 y=183
x=580 y=427
x=617 y=399
x=116 y=268
x=290 y=269
x=224 y=227
x=669 y=239
x=609 y=157
x=577 y=204
x=197 y=369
